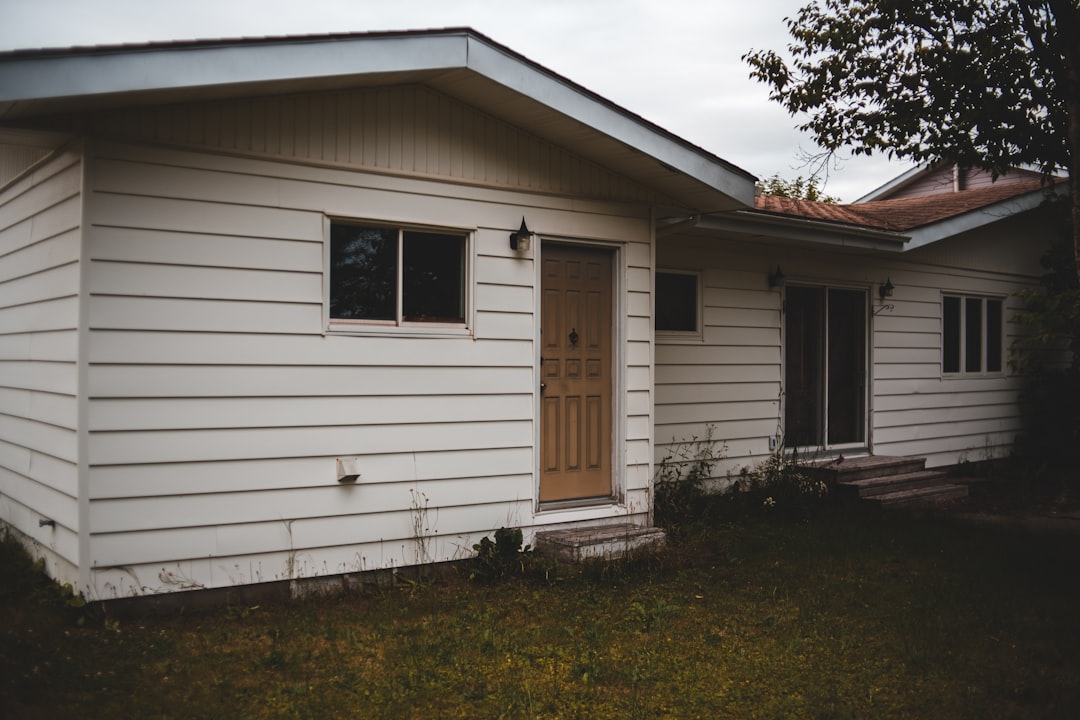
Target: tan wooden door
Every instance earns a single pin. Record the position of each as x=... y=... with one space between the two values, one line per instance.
x=575 y=373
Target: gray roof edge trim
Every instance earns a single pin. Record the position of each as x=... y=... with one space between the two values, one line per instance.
x=789 y=228
x=935 y=232
x=488 y=58
x=28 y=76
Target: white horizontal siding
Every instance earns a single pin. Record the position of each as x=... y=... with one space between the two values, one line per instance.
x=238 y=476
x=732 y=379
x=219 y=402
x=145 y=446
x=40 y=226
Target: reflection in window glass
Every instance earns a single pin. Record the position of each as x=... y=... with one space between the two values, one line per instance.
x=363 y=273
x=393 y=276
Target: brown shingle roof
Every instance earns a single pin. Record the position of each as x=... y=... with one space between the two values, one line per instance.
x=901 y=214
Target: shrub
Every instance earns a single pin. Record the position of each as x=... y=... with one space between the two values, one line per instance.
x=503 y=557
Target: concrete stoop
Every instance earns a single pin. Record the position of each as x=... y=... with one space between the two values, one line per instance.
x=609 y=542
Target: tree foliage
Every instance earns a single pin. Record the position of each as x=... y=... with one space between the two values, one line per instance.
x=1047 y=353
x=990 y=84
x=799 y=188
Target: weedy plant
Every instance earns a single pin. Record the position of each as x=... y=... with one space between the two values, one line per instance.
x=780 y=486
x=680 y=492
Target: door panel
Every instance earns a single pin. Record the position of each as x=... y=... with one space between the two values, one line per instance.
x=576 y=373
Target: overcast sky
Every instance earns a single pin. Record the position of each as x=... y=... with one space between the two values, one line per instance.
x=674 y=62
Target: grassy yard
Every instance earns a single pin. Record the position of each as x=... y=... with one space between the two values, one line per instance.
x=841 y=616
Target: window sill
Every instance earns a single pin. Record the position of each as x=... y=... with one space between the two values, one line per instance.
x=671 y=337
x=974 y=375
x=413 y=331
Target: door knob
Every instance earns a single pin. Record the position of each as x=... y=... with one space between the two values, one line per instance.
x=573 y=336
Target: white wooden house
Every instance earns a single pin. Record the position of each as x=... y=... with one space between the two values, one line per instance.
x=266 y=312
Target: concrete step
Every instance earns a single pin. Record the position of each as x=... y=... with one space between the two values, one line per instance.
x=920 y=497
x=873 y=486
x=577 y=544
x=849 y=469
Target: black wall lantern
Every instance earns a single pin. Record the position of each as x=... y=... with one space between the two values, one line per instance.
x=776 y=278
x=885 y=289
x=521 y=240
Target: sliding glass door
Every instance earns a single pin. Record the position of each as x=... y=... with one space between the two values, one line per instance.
x=824 y=367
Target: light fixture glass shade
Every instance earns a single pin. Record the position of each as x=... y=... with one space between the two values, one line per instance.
x=522 y=239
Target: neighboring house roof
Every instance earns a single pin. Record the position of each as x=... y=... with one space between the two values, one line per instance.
x=943 y=177
x=459 y=62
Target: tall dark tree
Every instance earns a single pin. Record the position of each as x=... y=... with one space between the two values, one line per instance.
x=990 y=84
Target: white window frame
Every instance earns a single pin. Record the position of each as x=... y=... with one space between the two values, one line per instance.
x=695 y=335
x=400 y=327
x=962 y=370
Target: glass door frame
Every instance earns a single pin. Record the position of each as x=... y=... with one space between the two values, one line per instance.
x=825 y=396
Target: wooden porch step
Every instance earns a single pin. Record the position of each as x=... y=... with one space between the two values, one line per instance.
x=888 y=482
x=921 y=497
x=848 y=469
x=873 y=486
x=577 y=544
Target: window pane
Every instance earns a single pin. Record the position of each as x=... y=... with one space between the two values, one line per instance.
x=676 y=302
x=804 y=363
x=993 y=335
x=950 y=339
x=973 y=334
x=433 y=278
x=363 y=273
x=846 y=375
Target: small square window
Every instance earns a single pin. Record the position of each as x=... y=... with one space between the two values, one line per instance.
x=972 y=335
x=677 y=302
x=386 y=276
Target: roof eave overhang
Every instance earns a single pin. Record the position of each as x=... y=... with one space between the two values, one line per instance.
x=784 y=228
x=951 y=227
x=460 y=62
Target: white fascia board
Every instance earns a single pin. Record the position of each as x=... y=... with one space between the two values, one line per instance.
x=41 y=77
x=929 y=234
x=562 y=96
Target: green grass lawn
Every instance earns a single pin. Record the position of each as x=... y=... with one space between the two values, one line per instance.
x=841 y=616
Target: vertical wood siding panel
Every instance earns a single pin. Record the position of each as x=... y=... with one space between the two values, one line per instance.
x=410 y=130
x=342 y=124
x=406 y=125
